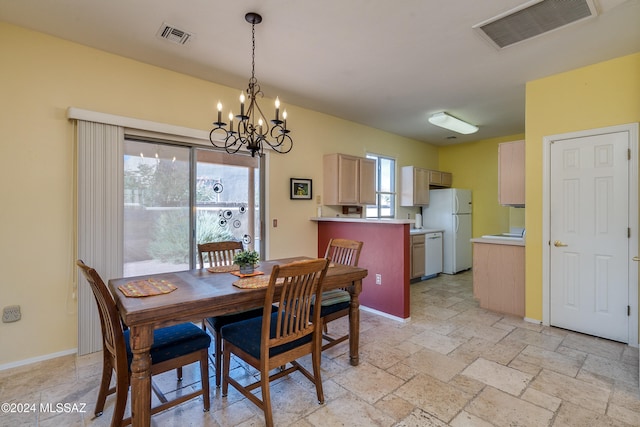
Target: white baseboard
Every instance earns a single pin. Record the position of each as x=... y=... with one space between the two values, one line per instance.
x=536 y=321
x=383 y=314
x=38 y=359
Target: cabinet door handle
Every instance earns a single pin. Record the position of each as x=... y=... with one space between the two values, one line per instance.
x=559 y=244
x=635 y=258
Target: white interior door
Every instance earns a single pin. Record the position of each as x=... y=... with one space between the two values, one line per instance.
x=589 y=242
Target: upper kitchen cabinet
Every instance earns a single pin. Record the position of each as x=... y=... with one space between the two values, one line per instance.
x=440 y=179
x=349 y=180
x=414 y=186
x=511 y=168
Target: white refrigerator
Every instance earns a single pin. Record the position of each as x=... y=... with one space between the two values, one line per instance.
x=450 y=210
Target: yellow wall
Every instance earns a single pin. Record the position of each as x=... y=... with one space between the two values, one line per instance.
x=599 y=95
x=40 y=78
x=475 y=166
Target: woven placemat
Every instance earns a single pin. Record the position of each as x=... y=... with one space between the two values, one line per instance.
x=147 y=288
x=223 y=268
x=252 y=282
x=255 y=282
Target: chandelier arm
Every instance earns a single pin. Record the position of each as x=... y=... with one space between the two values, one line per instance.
x=284 y=145
x=232 y=144
x=265 y=121
x=215 y=141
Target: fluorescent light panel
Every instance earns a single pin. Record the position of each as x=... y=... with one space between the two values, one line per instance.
x=449 y=122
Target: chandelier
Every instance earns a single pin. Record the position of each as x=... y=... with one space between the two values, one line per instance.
x=253 y=130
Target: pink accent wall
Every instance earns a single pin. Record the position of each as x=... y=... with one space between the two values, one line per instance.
x=385 y=251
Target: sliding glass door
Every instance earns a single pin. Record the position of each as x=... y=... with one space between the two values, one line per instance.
x=177 y=196
x=227 y=198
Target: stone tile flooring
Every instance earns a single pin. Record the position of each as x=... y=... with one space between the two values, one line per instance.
x=452 y=364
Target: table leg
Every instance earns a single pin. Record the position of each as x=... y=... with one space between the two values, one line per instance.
x=141 y=341
x=354 y=323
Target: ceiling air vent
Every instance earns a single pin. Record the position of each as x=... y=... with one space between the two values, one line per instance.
x=173 y=34
x=533 y=19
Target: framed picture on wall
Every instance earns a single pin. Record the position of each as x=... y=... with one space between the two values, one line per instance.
x=300 y=189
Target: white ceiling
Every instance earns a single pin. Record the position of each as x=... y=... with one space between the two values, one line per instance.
x=386 y=64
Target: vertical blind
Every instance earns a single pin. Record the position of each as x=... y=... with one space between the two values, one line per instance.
x=99 y=162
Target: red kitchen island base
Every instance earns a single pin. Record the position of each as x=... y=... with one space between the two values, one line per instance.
x=385 y=254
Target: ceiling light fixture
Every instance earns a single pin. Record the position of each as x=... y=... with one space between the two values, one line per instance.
x=449 y=122
x=253 y=129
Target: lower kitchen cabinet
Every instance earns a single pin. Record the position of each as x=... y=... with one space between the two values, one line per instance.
x=417 y=259
x=498 y=277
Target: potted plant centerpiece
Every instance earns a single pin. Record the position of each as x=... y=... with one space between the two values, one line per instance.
x=246 y=260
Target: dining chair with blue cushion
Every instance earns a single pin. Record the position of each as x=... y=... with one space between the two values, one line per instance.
x=279 y=338
x=336 y=303
x=173 y=347
x=220 y=254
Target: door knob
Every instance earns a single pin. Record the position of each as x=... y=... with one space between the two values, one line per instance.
x=635 y=258
x=559 y=244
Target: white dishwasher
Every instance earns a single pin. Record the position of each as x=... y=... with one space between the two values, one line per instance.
x=433 y=254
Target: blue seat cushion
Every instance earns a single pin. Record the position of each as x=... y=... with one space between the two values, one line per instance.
x=217 y=322
x=173 y=341
x=333 y=301
x=326 y=310
x=247 y=333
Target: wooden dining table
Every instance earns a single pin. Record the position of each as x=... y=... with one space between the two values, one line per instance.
x=202 y=294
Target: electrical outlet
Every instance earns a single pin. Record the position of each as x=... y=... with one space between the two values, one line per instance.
x=378 y=279
x=11 y=313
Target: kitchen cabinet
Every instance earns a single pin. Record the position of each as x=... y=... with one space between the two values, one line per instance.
x=414 y=185
x=440 y=179
x=418 y=256
x=349 y=180
x=498 y=277
x=511 y=173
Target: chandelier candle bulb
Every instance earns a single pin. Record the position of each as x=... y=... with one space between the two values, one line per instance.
x=277 y=108
x=231 y=121
x=219 y=112
x=242 y=104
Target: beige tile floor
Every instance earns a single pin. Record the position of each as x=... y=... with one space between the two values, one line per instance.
x=452 y=364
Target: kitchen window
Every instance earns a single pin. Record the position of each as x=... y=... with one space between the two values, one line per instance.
x=385 y=206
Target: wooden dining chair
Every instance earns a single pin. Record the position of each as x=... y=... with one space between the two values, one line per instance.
x=336 y=302
x=278 y=338
x=218 y=253
x=221 y=254
x=173 y=347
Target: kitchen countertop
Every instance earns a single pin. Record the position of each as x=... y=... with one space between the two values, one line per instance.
x=378 y=221
x=363 y=220
x=494 y=240
x=425 y=230
x=499 y=241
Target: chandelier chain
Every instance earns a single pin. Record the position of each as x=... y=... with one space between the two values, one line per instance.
x=253 y=51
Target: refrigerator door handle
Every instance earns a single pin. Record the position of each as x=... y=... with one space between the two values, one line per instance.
x=456 y=223
x=456 y=204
